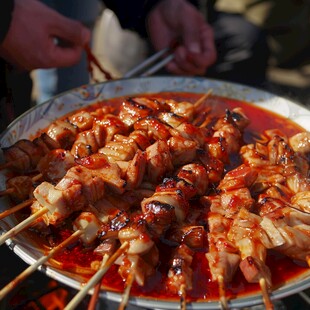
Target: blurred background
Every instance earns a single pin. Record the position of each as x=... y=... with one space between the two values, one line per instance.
x=119 y=50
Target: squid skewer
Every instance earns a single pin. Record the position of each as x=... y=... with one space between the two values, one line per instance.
x=79 y=186
x=180 y=273
x=24 y=155
x=222 y=256
x=252 y=242
x=52 y=167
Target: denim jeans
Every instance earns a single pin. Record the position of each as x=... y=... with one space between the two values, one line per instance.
x=57 y=80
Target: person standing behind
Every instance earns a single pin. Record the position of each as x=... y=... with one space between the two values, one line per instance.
x=28 y=30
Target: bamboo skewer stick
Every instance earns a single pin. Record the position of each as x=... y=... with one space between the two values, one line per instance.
x=39 y=262
x=94 y=297
x=97 y=277
x=267 y=302
x=37 y=177
x=183 y=297
x=22 y=225
x=126 y=294
x=7 y=191
x=16 y=208
x=201 y=99
x=222 y=292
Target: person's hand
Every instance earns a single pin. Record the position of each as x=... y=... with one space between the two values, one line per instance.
x=31 y=40
x=173 y=20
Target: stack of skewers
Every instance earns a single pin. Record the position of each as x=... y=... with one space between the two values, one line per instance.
x=150 y=186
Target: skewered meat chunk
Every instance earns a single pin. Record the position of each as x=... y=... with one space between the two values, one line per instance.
x=302 y=201
x=183 y=151
x=228 y=129
x=83 y=120
x=214 y=166
x=192 y=133
x=191 y=235
x=85 y=144
x=298 y=183
x=159 y=215
x=171 y=197
x=180 y=273
x=59 y=203
x=230 y=202
x=107 y=246
x=242 y=176
x=135 y=170
x=174 y=183
x=92 y=184
x=159 y=161
x=156 y=129
x=183 y=108
x=123 y=149
x=21 y=187
x=113 y=224
x=286 y=227
x=140 y=267
x=171 y=119
x=132 y=110
x=19 y=159
x=33 y=151
x=217 y=148
x=89 y=224
x=252 y=242
x=55 y=164
x=98 y=165
x=196 y=175
x=240 y=118
x=223 y=256
x=222 y=264
x=141 y=139
x=254 y=270
x=300 y=142
x=140 y=241
x=46 y=143
x=113 y=126
x=63 y=132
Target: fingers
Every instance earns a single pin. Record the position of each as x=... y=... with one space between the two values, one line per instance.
x=195 y=56
x=72 y=36
x=65 y=56
x=71 y=31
